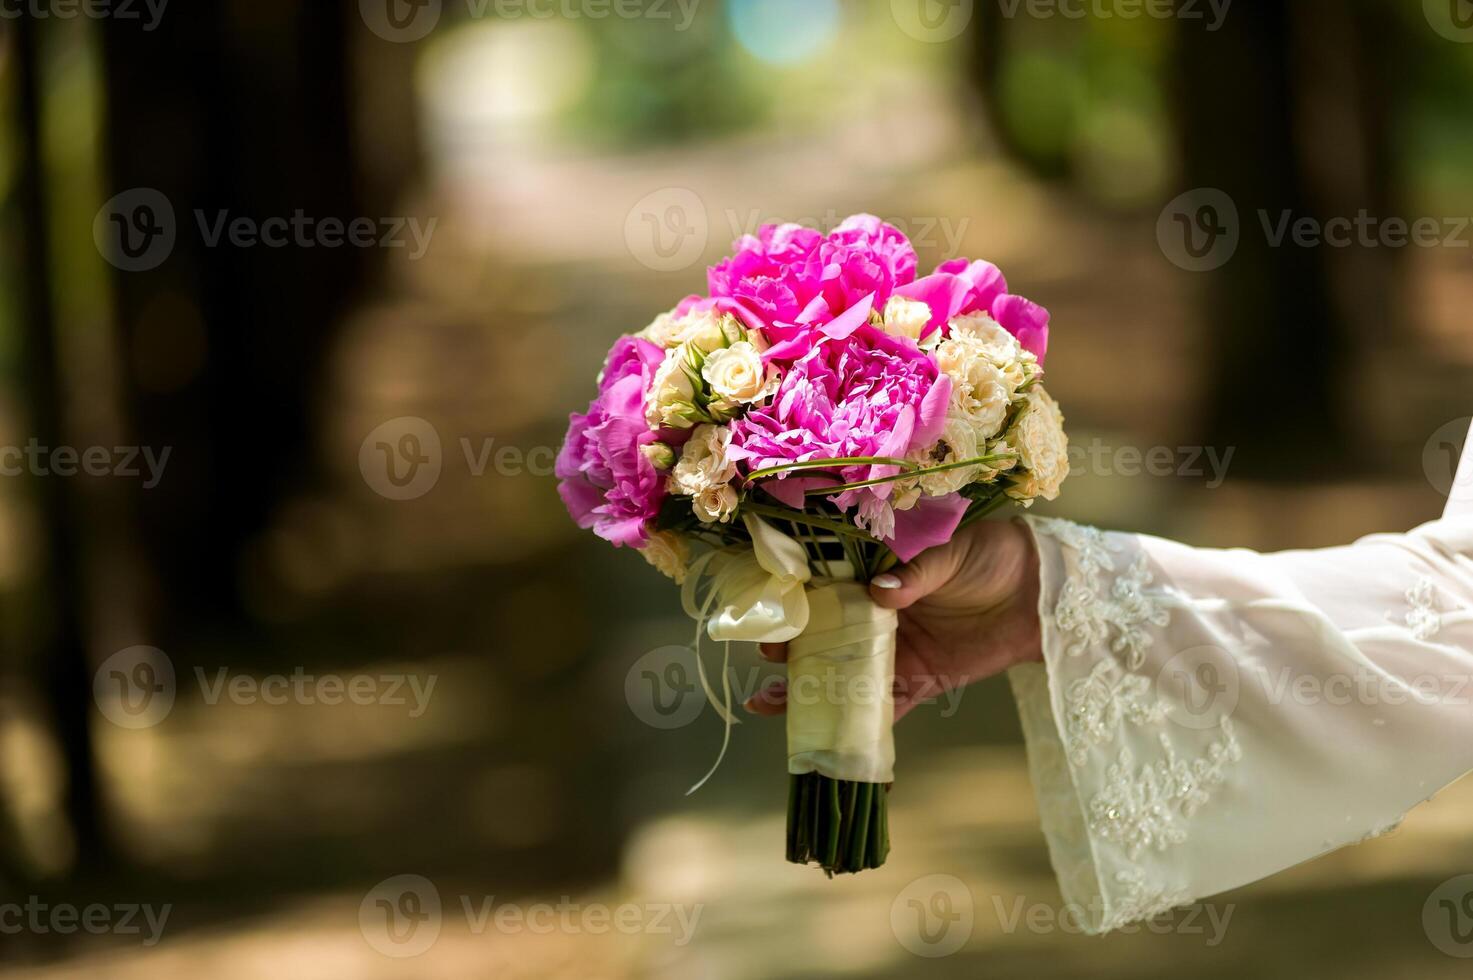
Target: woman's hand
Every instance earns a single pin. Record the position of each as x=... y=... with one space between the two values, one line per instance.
x=968 y=609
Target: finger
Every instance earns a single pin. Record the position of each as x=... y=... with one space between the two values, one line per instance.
x=902 y=587
x=776 y=652
x=771 y=700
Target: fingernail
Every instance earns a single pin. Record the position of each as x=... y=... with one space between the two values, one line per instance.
x=885 y=581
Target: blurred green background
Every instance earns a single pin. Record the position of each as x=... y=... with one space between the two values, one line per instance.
x=572 y=166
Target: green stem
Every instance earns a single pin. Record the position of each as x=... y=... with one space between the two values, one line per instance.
x=813 y=464
x=804 y=517
x=941 y=468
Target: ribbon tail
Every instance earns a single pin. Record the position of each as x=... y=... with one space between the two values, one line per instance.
x=724 y=711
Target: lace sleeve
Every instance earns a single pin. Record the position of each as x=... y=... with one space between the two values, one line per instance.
x=1206 y=718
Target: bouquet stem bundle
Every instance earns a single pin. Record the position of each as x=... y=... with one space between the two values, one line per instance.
x=842 y=826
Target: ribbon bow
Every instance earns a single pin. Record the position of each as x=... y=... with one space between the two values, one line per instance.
x=757 y=596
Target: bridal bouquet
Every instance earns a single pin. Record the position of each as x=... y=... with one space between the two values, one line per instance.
x=818 y=416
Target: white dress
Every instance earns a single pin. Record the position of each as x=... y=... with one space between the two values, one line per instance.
x=1205 y=718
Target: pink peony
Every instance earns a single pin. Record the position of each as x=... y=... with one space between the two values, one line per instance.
x=604 y=478
x=959 y=286
x=774 y=274
x=867 y=394
x=793 y=279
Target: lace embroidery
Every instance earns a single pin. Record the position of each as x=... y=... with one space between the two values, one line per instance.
x=1140 y=900
x=1097 y=705
x=1141 y=810
x=1088 y=611
x=1424 y=619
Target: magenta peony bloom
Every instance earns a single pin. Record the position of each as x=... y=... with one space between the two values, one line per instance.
x=604 y=478
x=792 y=278
x=1025 y=320
x=774 y=275
x=959 y=286
x=867 y=394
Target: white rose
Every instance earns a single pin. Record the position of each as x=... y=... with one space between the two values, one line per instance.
x=980 y=389
x=668 y=552
x=1042 y=447
x=907 y=318
x=737 y=374
x=710 y=331
x=982 y=328
x=661 y=456
x=664 y=330
x=703 y=463
x=983 y=336
x=958 y=442
x=715 y=503
x=671 y=398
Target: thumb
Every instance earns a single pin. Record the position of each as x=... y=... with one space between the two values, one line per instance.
x=911 y=582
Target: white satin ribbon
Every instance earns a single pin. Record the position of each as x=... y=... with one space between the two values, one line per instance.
x=841 y=659
x=841 y=704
